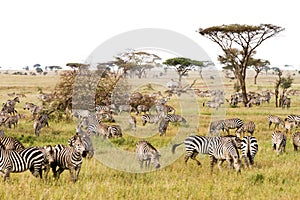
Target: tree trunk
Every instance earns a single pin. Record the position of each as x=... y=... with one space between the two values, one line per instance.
x=276 y=97
x=255 y=78
x=244 y=92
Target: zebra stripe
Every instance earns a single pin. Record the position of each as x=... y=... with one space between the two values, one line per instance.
x=222 y=149
x=147 y=153
x=68 y=158
x=275 y=120
x=249 y=149
x=19 y=161
x=114 y=131
x=10 y=143
x=296 y=140
x=294 y=118
x=225 y=125
x=278 y=141
x=247 y=127
x=175 y=118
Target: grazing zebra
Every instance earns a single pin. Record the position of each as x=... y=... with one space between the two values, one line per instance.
x=10 y=143
x=276 y=120
x=104 y=117
x=175 y=118
x=196 y=144
x=221 y=149
x=19 y=161
x=296 y=140
x=69 y=158
x=148 y=154
x=249 y=149
x=278 y=141
x=162 y=127
x=248 y=126
x=293 y=118
x=87 y=142
x=225 y=125
x=39 y=123
x=152 y=119
x=288 y=126
x=132 y=122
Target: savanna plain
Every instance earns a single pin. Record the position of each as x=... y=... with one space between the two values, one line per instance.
x=272 y=176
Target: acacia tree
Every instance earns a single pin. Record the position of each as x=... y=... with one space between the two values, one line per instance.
x=258 y=65
x=239 y=42
x=183 y=65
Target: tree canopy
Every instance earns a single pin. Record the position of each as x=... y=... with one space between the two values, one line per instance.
x=239 y=43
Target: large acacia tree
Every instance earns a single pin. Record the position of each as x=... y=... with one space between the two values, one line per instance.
x=239 y=43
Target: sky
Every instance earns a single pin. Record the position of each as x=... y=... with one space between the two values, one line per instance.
x=60 y=31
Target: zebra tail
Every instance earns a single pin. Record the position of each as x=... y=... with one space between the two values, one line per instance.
x=175 y=145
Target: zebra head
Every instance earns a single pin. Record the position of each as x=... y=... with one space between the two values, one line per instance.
x=78 y=145
x=49 y=154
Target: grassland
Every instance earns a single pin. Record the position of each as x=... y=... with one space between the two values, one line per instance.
x=273 y=177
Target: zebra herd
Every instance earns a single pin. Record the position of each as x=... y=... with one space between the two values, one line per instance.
x=14 y=157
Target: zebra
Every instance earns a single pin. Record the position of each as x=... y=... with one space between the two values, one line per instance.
x=288 y=126
x=293 y=118
x=110 y=108
x=39 y=123
x=132 y=122
x=104 y=116
x=248 y=126
x=10 y=143
x=296 y=140
x=70 y=158
x=162 y=127
x=278 y=141
x=221 y=149
x=196 y=144
x=249 y=148
x=175 y=118
x=114 y=131
x=126 y=108
x=276 y=120
x=152 y=119
x=225 y=125
x=147 y=153
x=87 y=142
x=19 y=161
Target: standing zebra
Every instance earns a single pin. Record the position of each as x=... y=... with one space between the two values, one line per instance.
x=10 y=143
x=247 y=127
x=19 y=161
x=249 y=149
x=296 y=140
x=278 y=141
x=39 y=123
x=68 y=158
x=114 y=131
x=147 y=153
x=221 y=149
x=276 y=120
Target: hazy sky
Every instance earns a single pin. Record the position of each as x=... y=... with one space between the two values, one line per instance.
x=59 y=31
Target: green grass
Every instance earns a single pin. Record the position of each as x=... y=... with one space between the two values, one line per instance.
x=272 y=177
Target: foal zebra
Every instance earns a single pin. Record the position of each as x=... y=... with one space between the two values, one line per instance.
x=147 y=153
x=249 y=149
x=19 y=161
x=278 y=141
x=68 y=158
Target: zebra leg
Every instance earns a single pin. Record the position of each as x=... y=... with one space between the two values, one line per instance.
x=6 y=174
x=270 y=123
x=213 y=160
x=193 y=156
x=220 y=162
x=77 y=173
x=246 y=161
x=58 y=172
